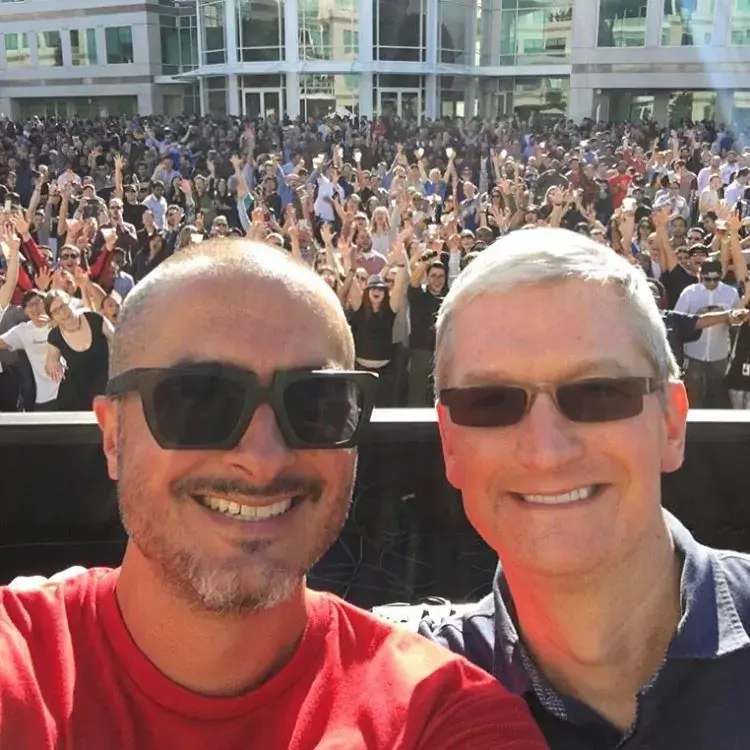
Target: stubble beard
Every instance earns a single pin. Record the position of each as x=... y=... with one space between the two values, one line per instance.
x=251 y=580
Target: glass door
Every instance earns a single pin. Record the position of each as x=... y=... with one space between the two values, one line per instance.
x=262 y=103
x=403 y=103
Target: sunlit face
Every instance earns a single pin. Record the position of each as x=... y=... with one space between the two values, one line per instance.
x=110 y=309
x=495 y=340
x=436 y=280
x=376 y=296
x=34 y=310
x=218 y=563
x=70 y=258
x=60 y=311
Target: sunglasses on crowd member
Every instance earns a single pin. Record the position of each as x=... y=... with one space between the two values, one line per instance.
x=209 y=405
x=69 y=256
x=590 y=401
x=711 y=278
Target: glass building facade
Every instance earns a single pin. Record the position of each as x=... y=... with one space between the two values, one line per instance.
x=611 y=59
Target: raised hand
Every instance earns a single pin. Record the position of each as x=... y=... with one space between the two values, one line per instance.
x=186 y=187
x=43 y=279
x=20 y=224
x=119 y=162
x=326 y=234
x=661 y=217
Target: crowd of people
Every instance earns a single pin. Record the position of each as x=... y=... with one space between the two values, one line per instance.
x=387 y=212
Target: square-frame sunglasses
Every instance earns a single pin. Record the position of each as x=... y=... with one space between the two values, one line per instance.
x=209 y=405
x=590 y=401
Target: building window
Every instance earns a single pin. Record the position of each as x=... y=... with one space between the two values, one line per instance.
x=534 y=33
x=260 y=30
x=83 y=47
x=540 y=99
x=401 y=96
x=322 y=95
x=119 y=44
x=179 y=44
x=687 y=23
x=740 y=22
x=326 y=30
x=351 y=42
x=49 y=49
x=211 y=21
x=399 y=30
x=216 y=95
x=456 y=31
x=622 y=23
x=17 y=50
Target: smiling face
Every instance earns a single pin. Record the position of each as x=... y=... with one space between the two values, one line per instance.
x=210 y=559
x=500 y=470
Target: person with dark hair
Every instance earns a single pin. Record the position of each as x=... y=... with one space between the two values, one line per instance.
x=78 y=352
x=427 y=288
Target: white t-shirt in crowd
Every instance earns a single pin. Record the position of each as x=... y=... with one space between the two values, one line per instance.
x=33 y=340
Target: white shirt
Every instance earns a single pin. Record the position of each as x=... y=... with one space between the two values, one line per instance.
x=33 y=340
x=733 y=193
x=713 y=345
x=704 y=176
x=326 y=189
x=158 y=206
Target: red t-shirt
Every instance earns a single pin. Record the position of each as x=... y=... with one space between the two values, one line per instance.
x=71 y=678
x=619 y=185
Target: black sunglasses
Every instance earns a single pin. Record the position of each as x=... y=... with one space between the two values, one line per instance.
x=69 y=256
x=209 y=405
x=711 y=278
x=595 y=400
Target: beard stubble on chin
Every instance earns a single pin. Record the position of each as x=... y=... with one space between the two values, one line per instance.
x=253 y=579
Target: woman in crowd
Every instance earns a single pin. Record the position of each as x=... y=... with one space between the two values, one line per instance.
x=372 y=314
x=80 y=338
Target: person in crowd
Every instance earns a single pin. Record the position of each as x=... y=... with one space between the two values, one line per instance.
x=234 y=452
x=451 y=185
x=706 y=358
x=77 y=353
x=372 y=314
x=613 y=623
x=427 y=288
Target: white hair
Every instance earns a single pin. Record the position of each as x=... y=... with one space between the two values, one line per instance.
x=551 y=256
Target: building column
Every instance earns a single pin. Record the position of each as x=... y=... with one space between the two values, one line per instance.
x=661 y=107
x=654 y=19
x=722 y=23
x=233 y=96
x=470 y=97
x=365 y=52
x=67 y=54
x=292 y=105
x=580 y=102
x=33 y=51
x=431 y=96
x=432 y=55
x=724 y=106
x=202 y=96
x=232 y=54
x=146 y=103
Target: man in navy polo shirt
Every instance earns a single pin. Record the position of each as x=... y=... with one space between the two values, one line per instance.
x=560 y=405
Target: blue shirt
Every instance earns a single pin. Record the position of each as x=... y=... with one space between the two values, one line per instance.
x=699 y=699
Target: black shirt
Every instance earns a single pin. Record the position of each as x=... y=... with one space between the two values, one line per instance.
x=423 y=310
x=680 y=330
x=133 y=214
x=373 y=334
x=675 y=281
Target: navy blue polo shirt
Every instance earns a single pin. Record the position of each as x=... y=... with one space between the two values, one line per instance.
x=680 y=330
x=699 y=699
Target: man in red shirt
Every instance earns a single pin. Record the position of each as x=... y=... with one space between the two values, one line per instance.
x=619 y=184
x=229 y=425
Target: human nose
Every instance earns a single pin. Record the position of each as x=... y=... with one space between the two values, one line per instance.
x=262 y=451
x=546 y=439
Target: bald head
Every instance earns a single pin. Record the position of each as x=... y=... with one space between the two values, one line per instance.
x=232 y=282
